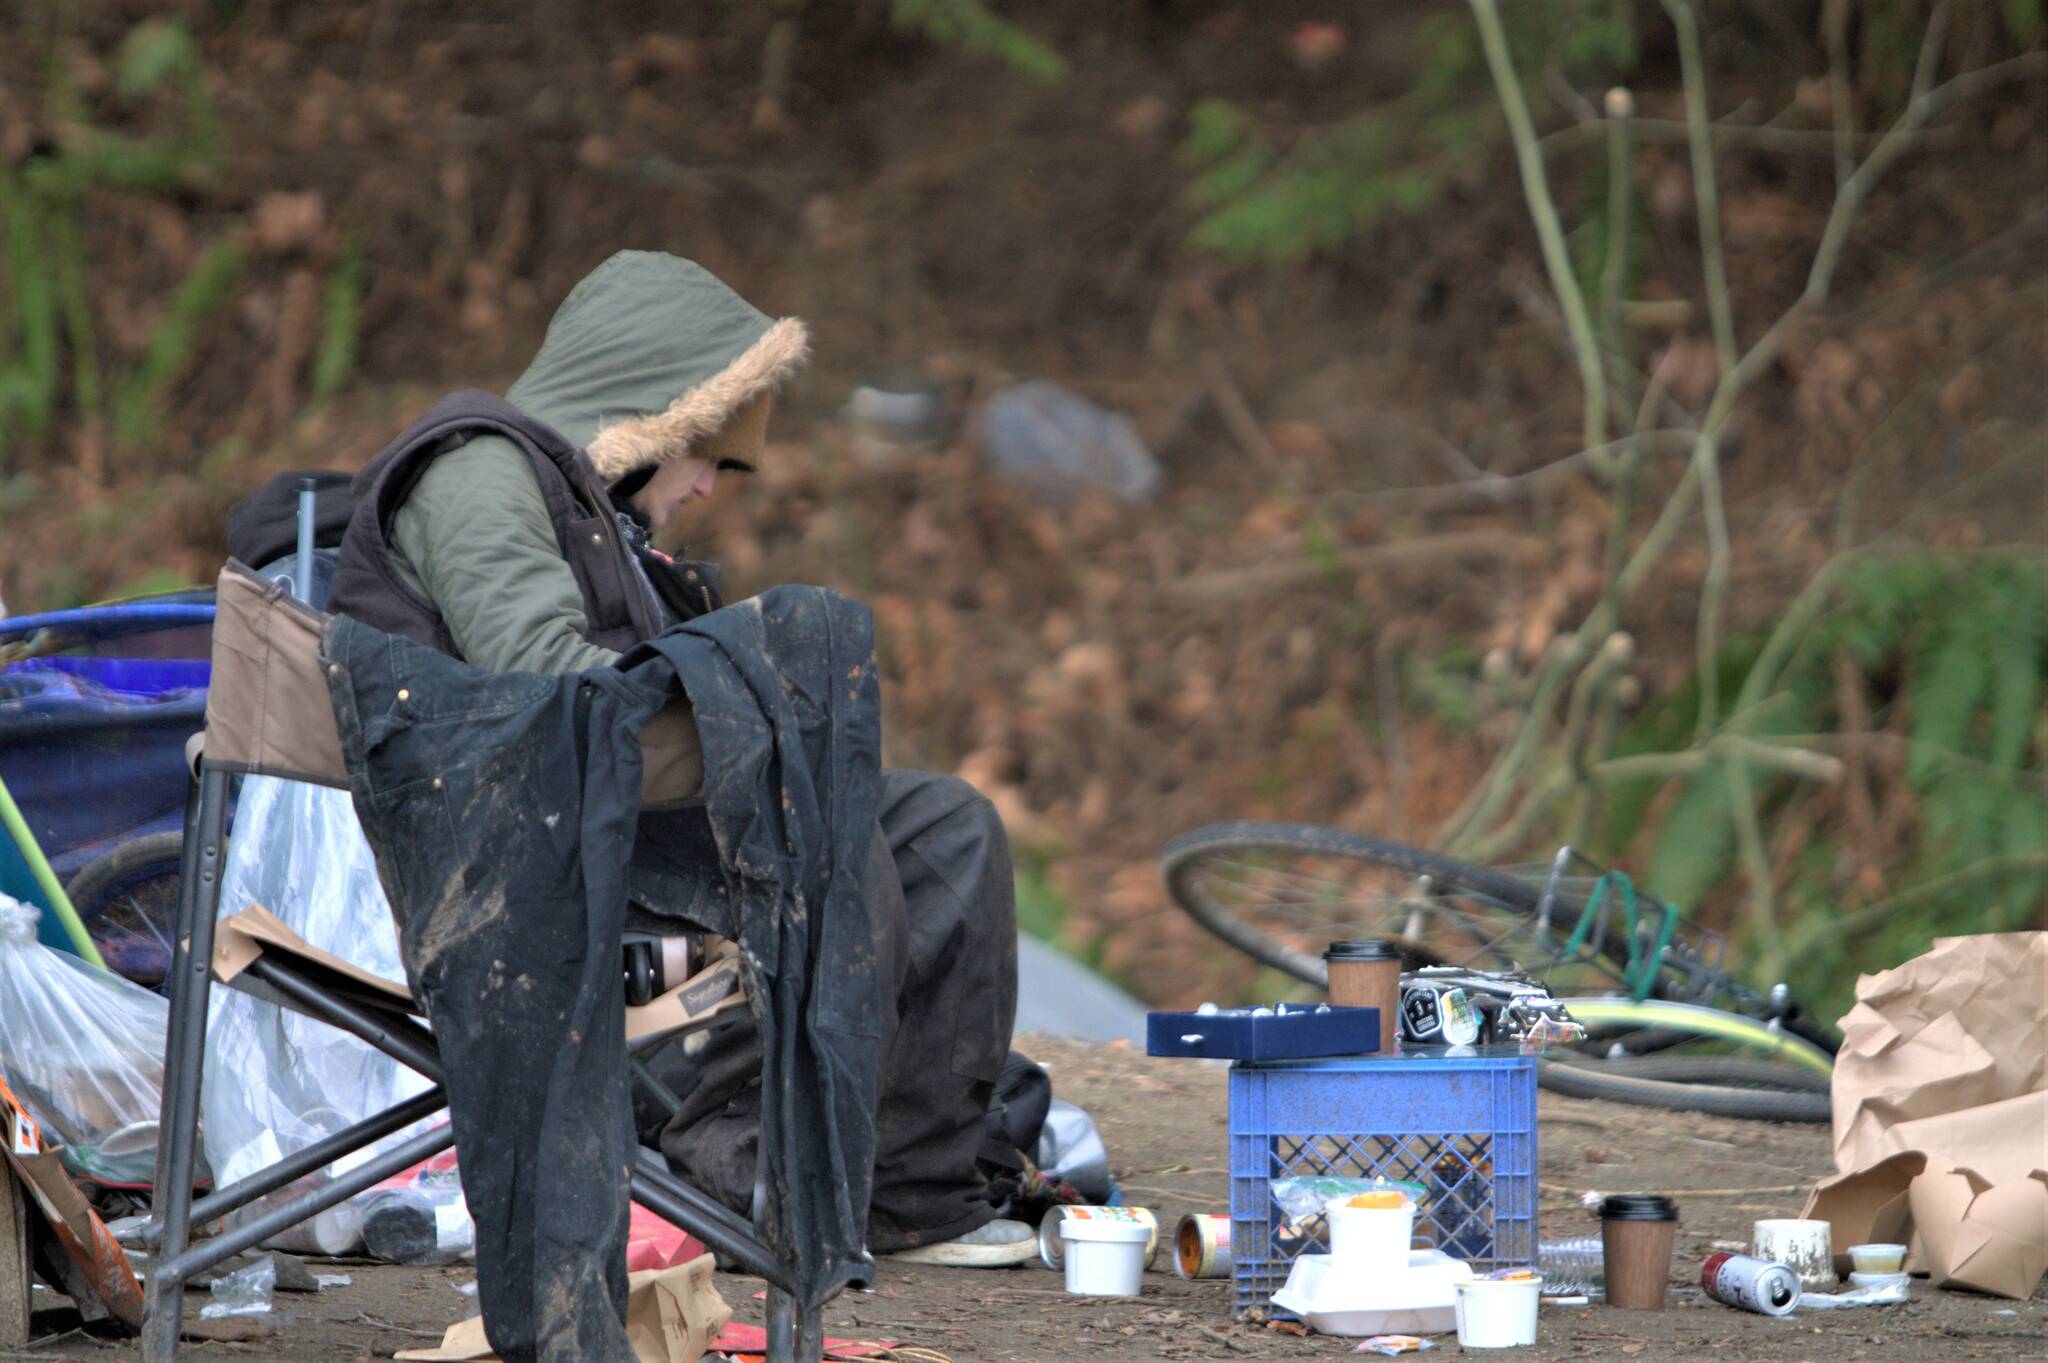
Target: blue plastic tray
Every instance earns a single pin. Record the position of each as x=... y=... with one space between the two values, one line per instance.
x=1281 y=1036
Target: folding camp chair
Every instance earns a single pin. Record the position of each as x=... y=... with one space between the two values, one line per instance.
x=268 y=713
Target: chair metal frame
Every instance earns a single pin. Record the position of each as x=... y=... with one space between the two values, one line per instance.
x=795 y=1333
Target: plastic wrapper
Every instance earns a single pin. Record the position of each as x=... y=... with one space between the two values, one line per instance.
x=1875 y=1294
x=83 y=1050
x=1391 y=1346
x=277 y=1081
x=1070 y=1151
x=1301 y=1199
x=245 y=1292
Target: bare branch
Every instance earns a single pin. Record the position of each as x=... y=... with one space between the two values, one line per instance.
x=1705 y=193
x=1543 y=209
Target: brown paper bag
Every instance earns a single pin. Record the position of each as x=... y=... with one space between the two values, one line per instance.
x=1980 y=1236
x=672 y=1315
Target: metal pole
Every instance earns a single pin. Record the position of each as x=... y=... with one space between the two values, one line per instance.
x=315 y=1156
x=660 y=1193
x=281 y=1218
x=402 y=1041
x=184 y=1068
x=302 y=571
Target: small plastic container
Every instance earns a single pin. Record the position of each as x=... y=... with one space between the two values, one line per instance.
x=1369 y=1243
x=1886 y=1259
x=1104 y=1258
x=1497 y=1313
x=1880 y=1279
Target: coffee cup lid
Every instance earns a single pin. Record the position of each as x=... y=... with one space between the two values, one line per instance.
x=1638 y=1207
x=1365 y=949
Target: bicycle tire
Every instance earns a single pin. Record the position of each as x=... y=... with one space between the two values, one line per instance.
x=127 y=900
x=1183 y=859
x=1727 y=1070
x=1702 y=1023
x=1578 y=1080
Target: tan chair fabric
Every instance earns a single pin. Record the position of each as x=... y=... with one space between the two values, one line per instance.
x=268 y=708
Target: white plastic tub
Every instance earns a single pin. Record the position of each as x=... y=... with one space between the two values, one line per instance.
x=1367 y=1243
x=1497 y=1313
x=1104 y=1258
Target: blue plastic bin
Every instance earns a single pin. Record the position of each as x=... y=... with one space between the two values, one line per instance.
x=1462 y=1126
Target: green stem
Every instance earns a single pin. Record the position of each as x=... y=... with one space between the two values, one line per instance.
x=1714 y=589
x=1543 y=209
x=46 y=879
x=1705 y=195
x=1749 y=838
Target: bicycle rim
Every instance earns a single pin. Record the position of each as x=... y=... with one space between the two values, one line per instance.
x=1280 y=893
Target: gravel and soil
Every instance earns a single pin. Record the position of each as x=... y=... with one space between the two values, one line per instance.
x=1165 y=1124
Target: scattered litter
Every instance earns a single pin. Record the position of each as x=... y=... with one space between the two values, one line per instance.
x=330 y=1280
x=1301 y=1200
x=1051 y=1251
x=1201 y=1246
x=1750 y=1283
x=83 y=1050
x=1887 y=1289
x=1070 y=1151
x=1105 y=1258
x=1498 y=1312
x=1060 y=445
x=1420 y=1298
x=245 y=1292
x=1391 y=1345
x=1572 y=1267
x=467 y=1289
x=1800 y=1245
x=1878 y=1258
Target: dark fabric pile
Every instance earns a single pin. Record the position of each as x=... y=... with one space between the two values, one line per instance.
x=502 y=808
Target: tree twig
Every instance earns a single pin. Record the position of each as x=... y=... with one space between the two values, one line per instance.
x=1749 y=841
x=1706 y=196
x=1714 y=589
x=1543 y=209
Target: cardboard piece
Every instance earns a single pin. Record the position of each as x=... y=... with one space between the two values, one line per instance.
x=1981 y=1236
x=672 y=1315
x=1941 y=1114
x=242 y=937
x=90 y=1267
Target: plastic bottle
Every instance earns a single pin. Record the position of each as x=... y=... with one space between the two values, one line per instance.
x=1573 y=1267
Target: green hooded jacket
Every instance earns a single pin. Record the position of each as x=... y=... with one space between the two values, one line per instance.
x=647 y=357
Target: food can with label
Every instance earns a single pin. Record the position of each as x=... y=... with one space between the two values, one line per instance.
x=1201 y=1246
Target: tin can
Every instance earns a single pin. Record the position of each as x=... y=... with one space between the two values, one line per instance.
x=1752 y=1284
x=1201 y=1246
x=1049 y=1229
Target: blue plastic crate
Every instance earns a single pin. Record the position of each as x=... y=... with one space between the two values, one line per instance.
x=1462 y=1126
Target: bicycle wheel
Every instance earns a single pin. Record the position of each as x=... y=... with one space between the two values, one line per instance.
x=1281 y=892
x=128 y=901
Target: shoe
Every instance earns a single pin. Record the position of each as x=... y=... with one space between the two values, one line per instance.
x=999 y=1244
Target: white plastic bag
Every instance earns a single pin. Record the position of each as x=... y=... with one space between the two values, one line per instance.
x=83 y=1049
x=277 y=1081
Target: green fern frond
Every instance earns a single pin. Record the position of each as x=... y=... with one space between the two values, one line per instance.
x=972 y=27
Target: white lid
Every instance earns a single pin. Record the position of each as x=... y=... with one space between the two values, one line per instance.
x=1114 y=1232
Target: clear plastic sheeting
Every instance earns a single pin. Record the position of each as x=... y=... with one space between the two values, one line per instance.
x=277 y=1081
x=83 y=1049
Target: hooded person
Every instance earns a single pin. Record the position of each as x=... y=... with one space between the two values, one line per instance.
x=514 y=533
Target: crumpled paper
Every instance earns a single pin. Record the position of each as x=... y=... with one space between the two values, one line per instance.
x=1941 y=1114
x=672 y=1315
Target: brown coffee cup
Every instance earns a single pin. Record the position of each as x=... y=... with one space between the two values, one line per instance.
x=1637 y=1232
x=1367 y=974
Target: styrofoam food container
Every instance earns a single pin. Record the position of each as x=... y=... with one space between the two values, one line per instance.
x=1420 y=1298
x=1497 y=1313
x=1104 y=1258
x=1878 y=1258
x=1370 y=1242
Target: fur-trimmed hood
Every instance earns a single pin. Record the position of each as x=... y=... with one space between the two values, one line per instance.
x=651 y=354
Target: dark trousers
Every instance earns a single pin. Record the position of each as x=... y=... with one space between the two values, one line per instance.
x=943 y=903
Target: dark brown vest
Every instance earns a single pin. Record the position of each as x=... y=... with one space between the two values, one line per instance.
x=616 y=604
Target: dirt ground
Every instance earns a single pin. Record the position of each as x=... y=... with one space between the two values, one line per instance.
x=1165 y=1123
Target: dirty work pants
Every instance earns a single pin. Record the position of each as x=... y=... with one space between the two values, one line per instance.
x=944 y=908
